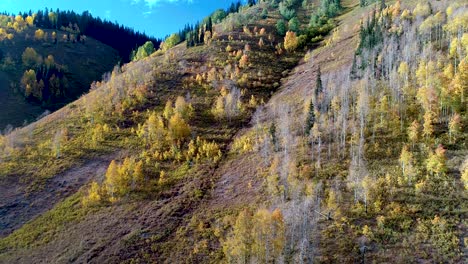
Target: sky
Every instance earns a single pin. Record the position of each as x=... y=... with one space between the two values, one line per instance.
x=157 y=18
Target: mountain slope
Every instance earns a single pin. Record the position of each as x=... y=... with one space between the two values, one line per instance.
x=324 y=171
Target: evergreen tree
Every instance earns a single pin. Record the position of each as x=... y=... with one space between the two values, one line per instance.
x=318 y=84
x=310 y=118
x=272 y=131
x=281 y=27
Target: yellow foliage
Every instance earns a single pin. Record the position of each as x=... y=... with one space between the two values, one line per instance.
x=94 y=195
x=455 y=126
x=201 y=149
x=39 y=34
x=291 y=41
x=260 y=236
x=435 y=163
x=153 y=130
x=406 y=15
x=457 y=23
x=406 y=158
x=31 y=58
x=98 y=133
x=120 y=179
x=422 y=9
x=244 y=144
x=244 y=61
x=111 y=182
x=178 y=128
x=30 y=21
x=428 y=128
x=464 y=174
x=461 y=79
x=183 y=108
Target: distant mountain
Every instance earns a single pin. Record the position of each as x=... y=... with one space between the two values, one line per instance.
x=65 y=52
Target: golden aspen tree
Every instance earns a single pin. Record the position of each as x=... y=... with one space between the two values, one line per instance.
x=436 y=162
x=413 y=132
x=464 y=174
x=94 y=195
x=125 y=172
x=218 y=109
x=182 y=107
x=396 y=9
x=31 y=58
x=403 y=71
x=162 y=178
x=268 y=235
x=461 y=80
x=39 y=34
x=238 y=245
x=428 y=127
x=278 y=231
x=291 y=42
x=178 y=128
x=111 y=181
x=138 y=176
x=168 y=110
x=406 y=158
x=422 y=9
x=30 y=21
x=454 y=127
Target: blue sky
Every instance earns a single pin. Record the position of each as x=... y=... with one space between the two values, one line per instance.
x=155 y=17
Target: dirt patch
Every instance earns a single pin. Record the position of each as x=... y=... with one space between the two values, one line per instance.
x=18 y=206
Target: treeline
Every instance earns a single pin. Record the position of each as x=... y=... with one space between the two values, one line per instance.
x=121 y=38
x=321 y=21
x=198 y=33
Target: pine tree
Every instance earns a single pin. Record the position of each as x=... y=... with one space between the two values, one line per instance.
x=382 y=5
x=310 y=118
x=273 y=137
x=318 y=84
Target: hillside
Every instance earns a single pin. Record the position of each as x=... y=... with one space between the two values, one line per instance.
x=342 y=140
x=80 y=63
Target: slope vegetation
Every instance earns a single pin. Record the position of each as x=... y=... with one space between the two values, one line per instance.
x=244 y=150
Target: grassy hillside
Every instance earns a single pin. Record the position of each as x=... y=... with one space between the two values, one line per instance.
x=81 y=63
x=258 y=148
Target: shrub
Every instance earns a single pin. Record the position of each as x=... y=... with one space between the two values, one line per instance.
x=281 y=27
